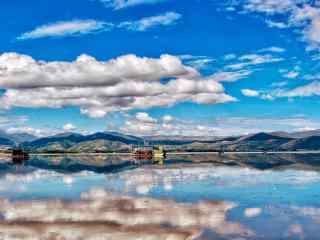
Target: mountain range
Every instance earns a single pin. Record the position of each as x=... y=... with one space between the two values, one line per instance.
x=118 y=142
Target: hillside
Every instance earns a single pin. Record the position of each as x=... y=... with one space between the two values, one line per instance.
x=6 y=142
x=74 y=142
x=257 y=142
x=307 y=143
x=117 y=142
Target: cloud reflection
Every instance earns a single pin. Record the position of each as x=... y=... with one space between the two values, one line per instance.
x=103 y=215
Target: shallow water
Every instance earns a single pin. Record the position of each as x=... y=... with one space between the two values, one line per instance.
x=200 y=197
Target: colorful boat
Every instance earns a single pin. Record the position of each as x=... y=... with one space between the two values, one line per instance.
x=158 y=152
x=19 y=155
x=149 y=153
x=142 y=154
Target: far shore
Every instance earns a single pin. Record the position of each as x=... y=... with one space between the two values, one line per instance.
x=171 y=153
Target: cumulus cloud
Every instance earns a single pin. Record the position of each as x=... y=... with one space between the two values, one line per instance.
x=69 y=127
x=250 y=93
x=270 y=7
x=232 y=126
x=167 y=125
x=121 y=4
x=241 y=125
x=28 y=130
x=97 y=87
x=274 y=24
x=145 y=118
x=66 y=28
x=303 y=15
x=143 y=24
x=308 y=90
x=10 y=121
x=291 y=74
x=126 y=68
x=167 y=118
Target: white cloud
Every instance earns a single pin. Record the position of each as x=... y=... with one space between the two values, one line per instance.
x=66 y=28
x=167 y=125
x=4 y=120
x=291 y=74
x=198 y=62
x=273 y=49
x=69 y=127
x=97 y=87
x=302 y=15
x=167 y=118
x=90 y=26
x=241 y=125
x=145 y=118
x=274 y=24
x=166 y=19
x=250 y=93
x=230 y=56
x=309 y=90
x=232 y=126
x=230 y=76
x=121 y=4
x=271 y=7
x=30 y=130
x=279 y=84
x=255 y=59
x=65 y=74
x=201 y=63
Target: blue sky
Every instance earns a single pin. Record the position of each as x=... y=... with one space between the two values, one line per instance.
x=159 y=66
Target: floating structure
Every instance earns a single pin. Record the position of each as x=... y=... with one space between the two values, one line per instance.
x=149 y=153
x=18 y=155
x=159 y=152
x=143 y=154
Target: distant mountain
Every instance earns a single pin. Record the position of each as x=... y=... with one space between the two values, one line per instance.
x=307 y=143
x=14 y=139
x=305 y=134
x=6 y=142
x=263 y=137
x=57 y=142
x=112 y=136
x=282 y=134
x=74 y=142
x=118 y=142
x=257 y=142
x=22 y=137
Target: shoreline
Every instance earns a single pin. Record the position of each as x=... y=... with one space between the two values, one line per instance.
x=170 y=153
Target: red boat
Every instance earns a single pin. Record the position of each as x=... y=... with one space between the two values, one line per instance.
x=143 y=154
x=19 y=155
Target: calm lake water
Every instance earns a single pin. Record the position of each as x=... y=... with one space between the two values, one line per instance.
x=183 y=197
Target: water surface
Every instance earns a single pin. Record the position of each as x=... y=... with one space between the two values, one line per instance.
x=184 y=197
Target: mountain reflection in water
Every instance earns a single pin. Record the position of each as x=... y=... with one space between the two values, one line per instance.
x=236 y=196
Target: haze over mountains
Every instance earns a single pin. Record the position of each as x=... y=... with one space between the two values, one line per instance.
x=117 y=142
